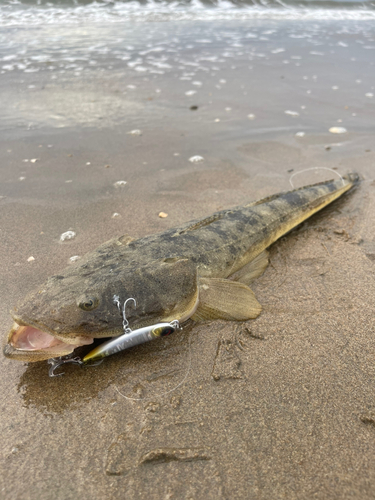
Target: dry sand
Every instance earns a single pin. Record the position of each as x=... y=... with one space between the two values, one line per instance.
x=279 y=407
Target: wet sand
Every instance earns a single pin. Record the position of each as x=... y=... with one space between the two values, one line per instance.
x=279 y=407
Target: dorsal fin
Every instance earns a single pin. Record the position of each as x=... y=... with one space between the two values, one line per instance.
x=350 y=177
x=204 y=222
x=262 y=200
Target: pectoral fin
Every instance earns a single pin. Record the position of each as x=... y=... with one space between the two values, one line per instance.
x=225 y=299
x=252 y=270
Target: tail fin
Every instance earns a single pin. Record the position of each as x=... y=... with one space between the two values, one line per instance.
x=352 y=177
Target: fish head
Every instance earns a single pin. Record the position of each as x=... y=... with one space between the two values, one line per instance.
x=72 y=309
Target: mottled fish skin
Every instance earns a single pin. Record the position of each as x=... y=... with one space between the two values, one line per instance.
x=162 y=271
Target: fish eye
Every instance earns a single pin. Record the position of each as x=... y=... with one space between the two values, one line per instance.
x=89 y=303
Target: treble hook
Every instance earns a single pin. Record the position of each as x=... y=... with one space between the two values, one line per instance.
x=125 y=322
x=56 y=362
x=63 y=360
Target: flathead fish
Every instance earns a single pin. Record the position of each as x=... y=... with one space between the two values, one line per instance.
x=201 y=270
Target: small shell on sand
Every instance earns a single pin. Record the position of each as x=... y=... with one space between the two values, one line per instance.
x=68 y=235
x=120 y=183
x=30 y=259
x=291 y=113
x=190 y=92
x=115 y=215
x=74 y=258
x=251 y=116
x=135 y=132
x=338 y=130
x=163 y=215
x=300 y=134
x=196 y=159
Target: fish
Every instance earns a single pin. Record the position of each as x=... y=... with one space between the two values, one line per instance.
x=201 y=270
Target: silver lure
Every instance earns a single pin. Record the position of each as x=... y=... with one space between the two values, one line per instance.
x=131 y=339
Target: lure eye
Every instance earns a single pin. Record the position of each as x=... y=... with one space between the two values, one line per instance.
x=163 y=331
x=167 y=331
x=89 y=304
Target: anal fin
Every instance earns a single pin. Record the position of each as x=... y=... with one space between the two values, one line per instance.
x=252 y=270
x=225 y=299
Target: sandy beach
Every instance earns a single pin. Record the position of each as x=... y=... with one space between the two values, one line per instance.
x=279 y=407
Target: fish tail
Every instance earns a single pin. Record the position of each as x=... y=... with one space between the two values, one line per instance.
x=352 y=178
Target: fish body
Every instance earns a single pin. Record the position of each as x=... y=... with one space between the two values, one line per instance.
x=200 y=270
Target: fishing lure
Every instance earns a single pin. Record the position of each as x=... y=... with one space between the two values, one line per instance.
x=129 y=339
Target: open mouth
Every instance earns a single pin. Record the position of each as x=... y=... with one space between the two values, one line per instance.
x=31 y=339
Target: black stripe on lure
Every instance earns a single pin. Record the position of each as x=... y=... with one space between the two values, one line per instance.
x=129 y=339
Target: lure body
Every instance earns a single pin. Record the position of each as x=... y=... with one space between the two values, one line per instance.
x=133 y=338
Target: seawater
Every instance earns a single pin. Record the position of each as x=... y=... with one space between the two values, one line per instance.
x=42 y=12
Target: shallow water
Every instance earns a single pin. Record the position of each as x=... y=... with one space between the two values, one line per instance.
x=43 y=69
x=79 y=12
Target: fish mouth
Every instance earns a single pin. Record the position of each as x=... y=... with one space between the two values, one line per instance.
x=28 y=343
